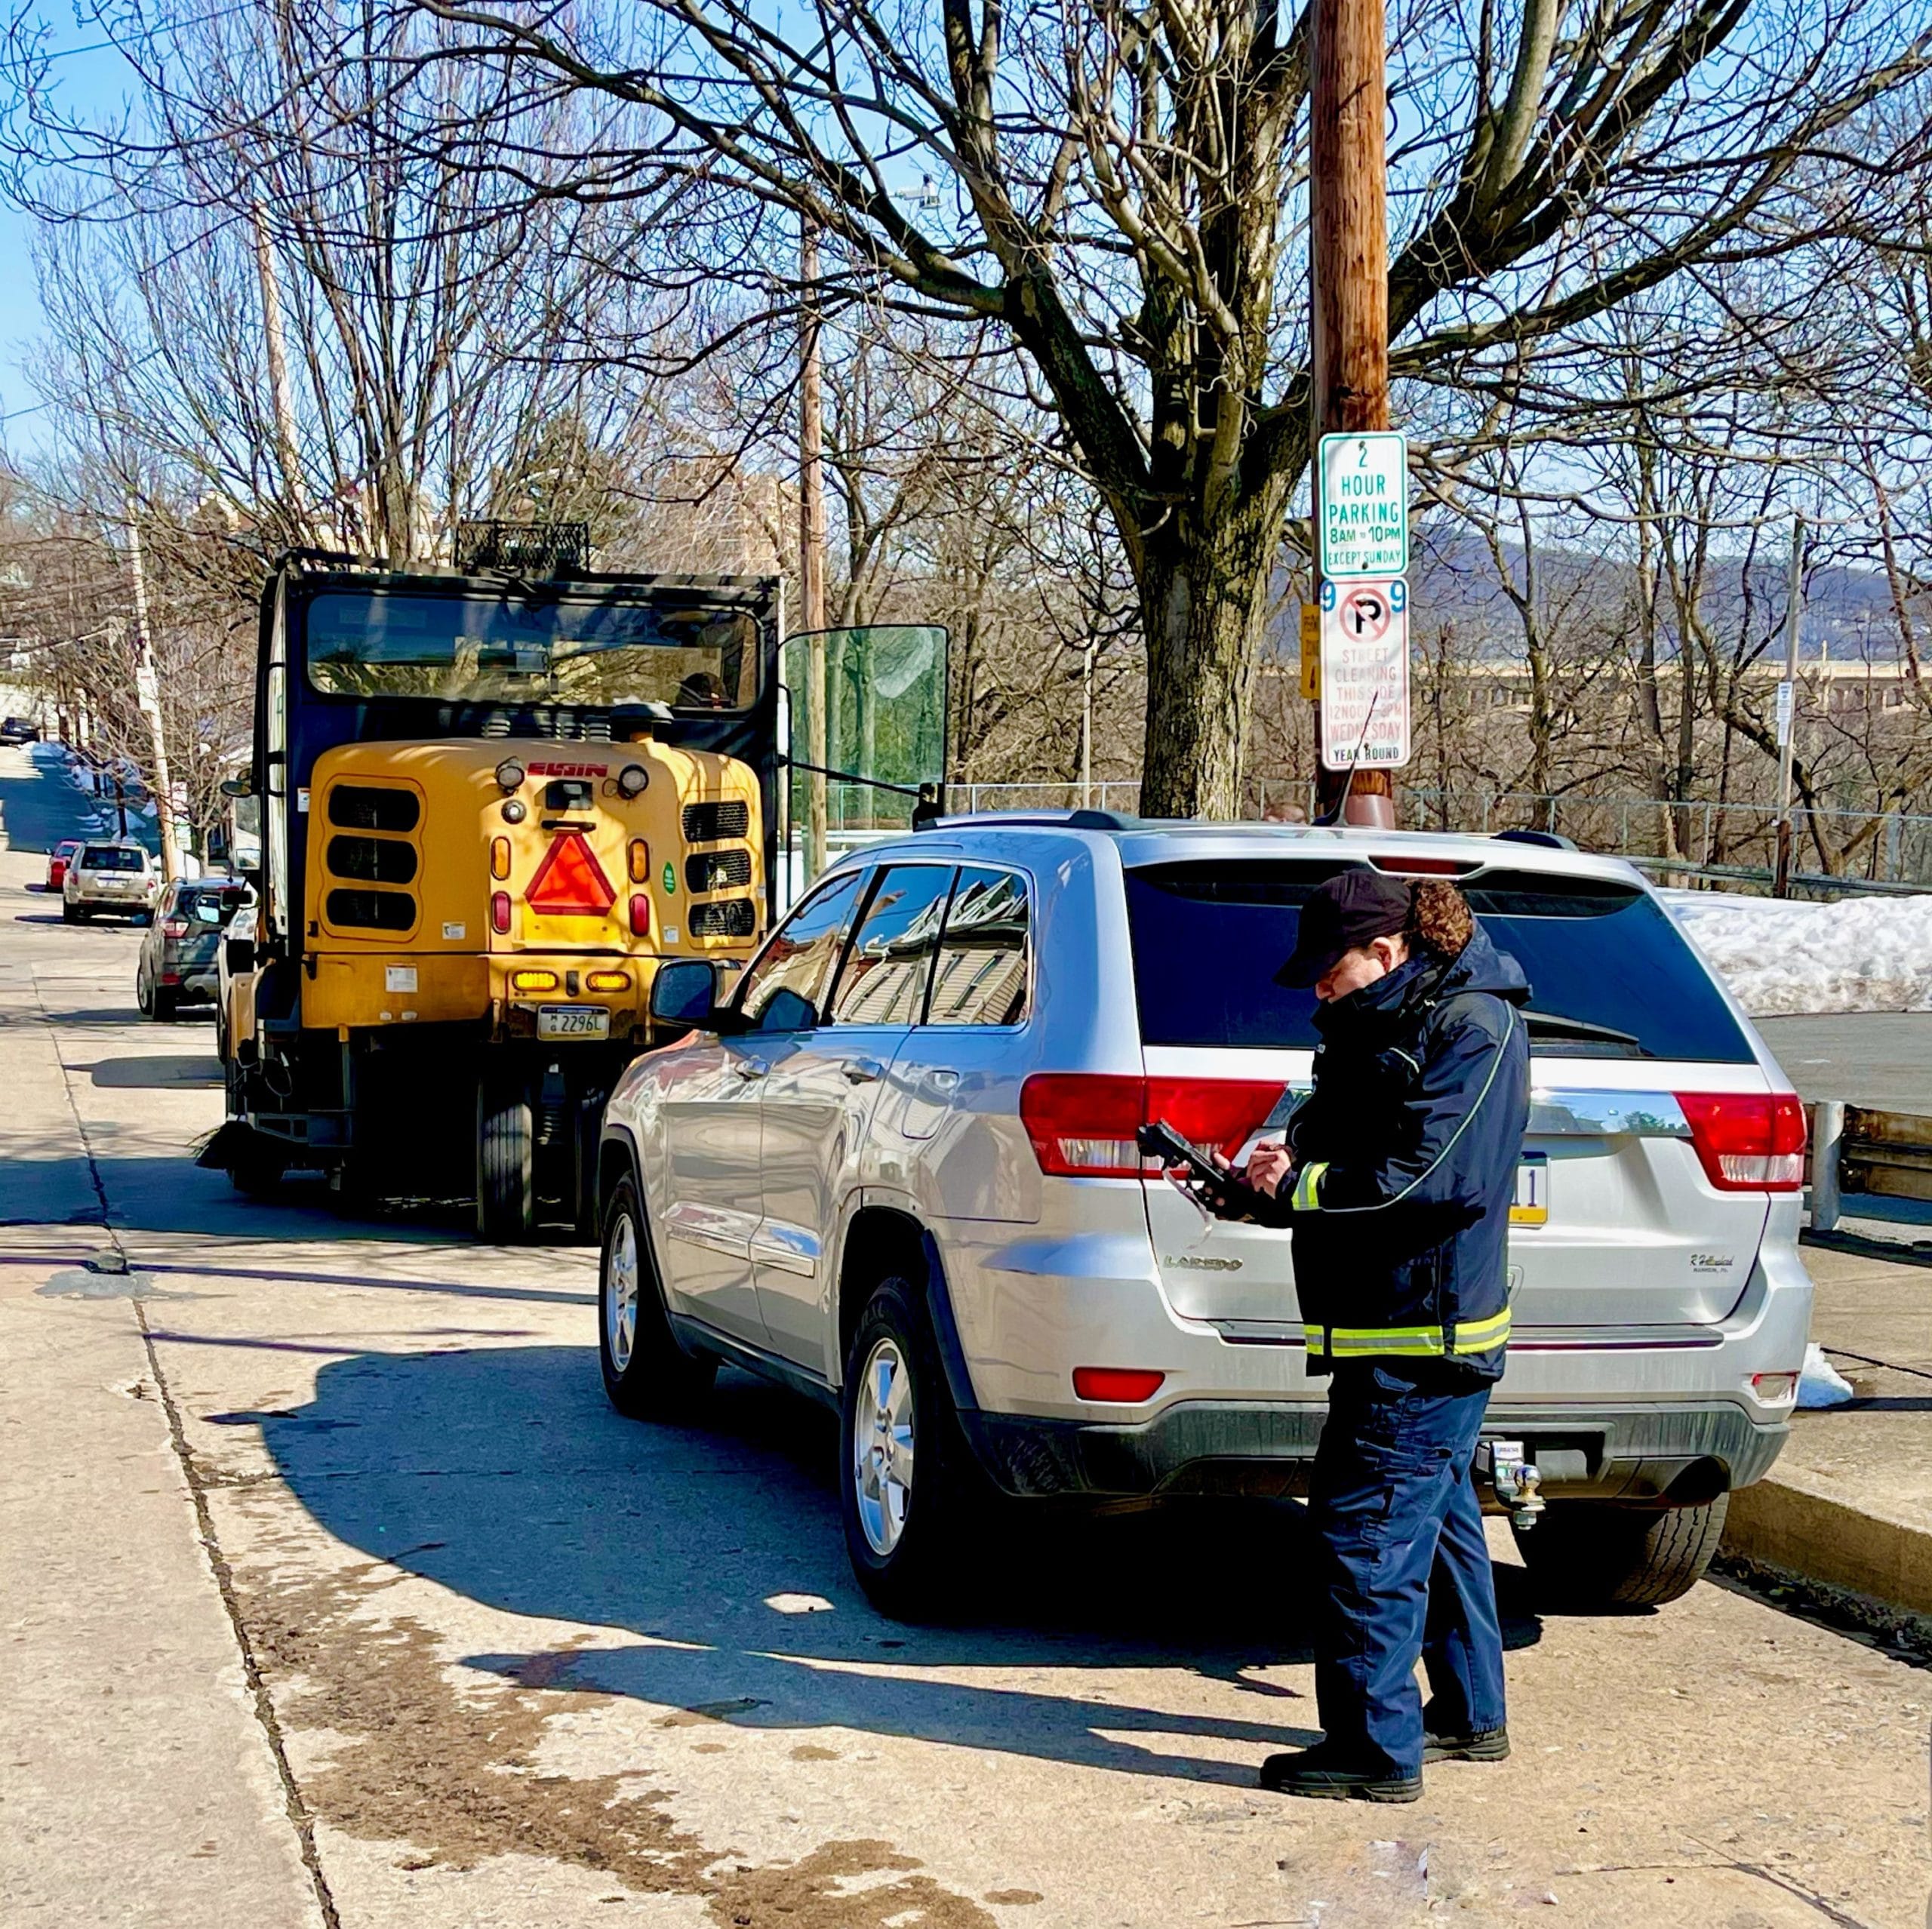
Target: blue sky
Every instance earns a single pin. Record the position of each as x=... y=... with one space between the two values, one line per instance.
x=91 y=78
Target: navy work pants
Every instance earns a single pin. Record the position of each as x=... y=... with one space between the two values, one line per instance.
x=1405 y=1568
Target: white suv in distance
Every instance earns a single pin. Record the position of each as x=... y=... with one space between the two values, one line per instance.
x=894 y=1166
x=113 y=875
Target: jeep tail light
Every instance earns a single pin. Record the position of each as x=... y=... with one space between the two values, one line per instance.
x=1774 y=1389
x=1083 y=1124
x=1748 y=1141
x=1125 y=1385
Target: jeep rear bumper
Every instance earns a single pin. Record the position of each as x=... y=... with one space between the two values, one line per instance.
x=1664 y=1455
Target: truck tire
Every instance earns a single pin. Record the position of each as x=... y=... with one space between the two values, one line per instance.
x=647 y=1374
x=1590 y=1555
x=505 y=1180
x=908 y=1488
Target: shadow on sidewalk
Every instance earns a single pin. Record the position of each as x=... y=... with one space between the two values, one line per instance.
x=501 y=1473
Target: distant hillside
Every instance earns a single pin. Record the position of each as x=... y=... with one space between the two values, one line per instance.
x=1847 y=612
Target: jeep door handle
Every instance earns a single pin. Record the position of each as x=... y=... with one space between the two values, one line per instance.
x=750 y=1067
x=862 y=1071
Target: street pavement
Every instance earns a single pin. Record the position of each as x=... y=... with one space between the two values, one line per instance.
x=1879 y=1059
x=336 y=1593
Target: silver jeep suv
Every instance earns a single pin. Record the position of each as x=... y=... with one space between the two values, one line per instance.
x=893 y=1166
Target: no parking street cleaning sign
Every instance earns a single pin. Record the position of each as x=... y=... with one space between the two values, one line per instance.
x=1365 y=675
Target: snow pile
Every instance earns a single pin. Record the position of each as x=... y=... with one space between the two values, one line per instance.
x=1861 y=954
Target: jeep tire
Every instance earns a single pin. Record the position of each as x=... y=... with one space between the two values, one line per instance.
x=647 y=1373
x=1590 y=1555
x=910 y=1490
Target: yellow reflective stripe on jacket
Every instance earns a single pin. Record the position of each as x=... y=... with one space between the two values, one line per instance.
x=1418 y=1342
x=1305 y=1197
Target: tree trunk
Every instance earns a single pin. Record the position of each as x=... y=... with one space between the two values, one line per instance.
x=1202 y=607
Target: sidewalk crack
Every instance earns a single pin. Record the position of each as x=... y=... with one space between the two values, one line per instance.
x=297 y=1809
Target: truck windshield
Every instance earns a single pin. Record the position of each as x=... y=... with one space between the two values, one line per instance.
x=1609 y=975
x=513 y=648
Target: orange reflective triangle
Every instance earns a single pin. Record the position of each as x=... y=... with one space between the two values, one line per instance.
x=570 y=882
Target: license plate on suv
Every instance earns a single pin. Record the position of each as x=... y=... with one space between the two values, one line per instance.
x=573 y=1021
x=1532 y=1204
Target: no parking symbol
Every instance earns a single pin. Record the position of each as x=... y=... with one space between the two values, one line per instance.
x=1366 y=610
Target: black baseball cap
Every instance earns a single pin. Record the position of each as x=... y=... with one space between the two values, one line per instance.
x=1347 y=911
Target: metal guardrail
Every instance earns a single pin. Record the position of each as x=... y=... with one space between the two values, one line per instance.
x=1859 y=1149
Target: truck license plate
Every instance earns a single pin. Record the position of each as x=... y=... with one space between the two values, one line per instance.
x=1532 y=1205
x=573 y=1021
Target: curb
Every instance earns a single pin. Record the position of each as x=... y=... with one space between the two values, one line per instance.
x=1786 y=1520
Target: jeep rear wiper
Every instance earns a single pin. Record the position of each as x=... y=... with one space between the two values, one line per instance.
x=1554 y=1025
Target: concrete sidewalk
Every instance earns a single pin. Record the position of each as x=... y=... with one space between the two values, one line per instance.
x=1849 y=1502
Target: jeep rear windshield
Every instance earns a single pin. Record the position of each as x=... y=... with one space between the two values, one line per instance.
x=1609 y=975
x=513 y=647
x=111 y=857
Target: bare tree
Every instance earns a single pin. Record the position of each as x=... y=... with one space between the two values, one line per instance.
x=1127 y=189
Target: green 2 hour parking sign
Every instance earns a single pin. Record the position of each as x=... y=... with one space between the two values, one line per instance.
x=1362 y=505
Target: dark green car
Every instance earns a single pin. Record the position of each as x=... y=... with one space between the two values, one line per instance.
x=178 y=960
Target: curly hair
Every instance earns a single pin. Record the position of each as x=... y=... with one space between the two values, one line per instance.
x=1440 y=922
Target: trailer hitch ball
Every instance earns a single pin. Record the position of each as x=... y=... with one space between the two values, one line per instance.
x=1517 y=1482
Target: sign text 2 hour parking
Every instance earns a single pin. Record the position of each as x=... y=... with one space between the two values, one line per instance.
x=1362 y=505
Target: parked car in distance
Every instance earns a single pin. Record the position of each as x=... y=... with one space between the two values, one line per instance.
x=58 y=859
x=894 y=1166
x=110 y=875
x=19 y=730
x=179 y=958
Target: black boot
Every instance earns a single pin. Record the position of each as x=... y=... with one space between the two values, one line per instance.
x=1486 y=1745
x=1319 y=1775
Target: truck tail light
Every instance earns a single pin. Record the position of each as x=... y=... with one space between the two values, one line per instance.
x=499 y=912
x=499 y=857
x=609 y=981
x=1127 y=1386
x=1082 y=1125
x=640 y=915
x=1748 y=1141
x=637 y=861
x=533 y=981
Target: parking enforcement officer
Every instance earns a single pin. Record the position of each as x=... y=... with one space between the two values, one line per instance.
x=1396 y=1180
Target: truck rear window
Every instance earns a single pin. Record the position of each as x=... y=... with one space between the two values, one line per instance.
x=1609 y=975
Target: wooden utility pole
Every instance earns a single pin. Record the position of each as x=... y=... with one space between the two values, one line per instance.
x=1349 y=261
x=811 y=546
x=147 y=692
x=280 y=399
x=1787 y=713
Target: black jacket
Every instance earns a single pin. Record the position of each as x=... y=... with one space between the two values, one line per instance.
x=1409 y=1145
